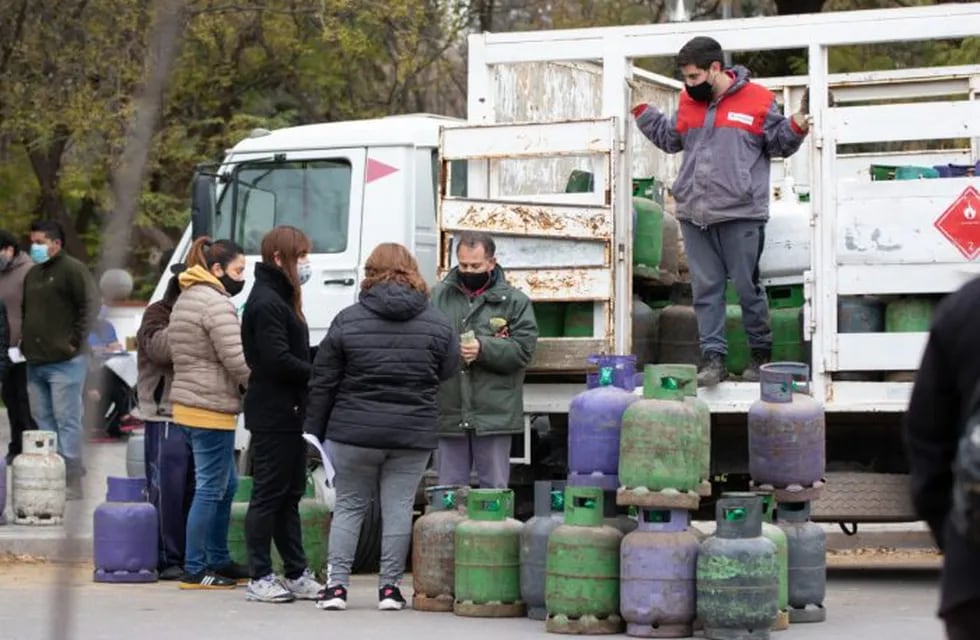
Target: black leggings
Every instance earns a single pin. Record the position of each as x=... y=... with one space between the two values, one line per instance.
x=963 y=622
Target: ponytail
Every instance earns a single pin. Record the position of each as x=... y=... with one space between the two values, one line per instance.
x=197 y=254
x=206 y=252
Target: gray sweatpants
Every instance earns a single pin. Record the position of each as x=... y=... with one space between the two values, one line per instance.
x=721 y=252
x=489 y=454
x=393 y=474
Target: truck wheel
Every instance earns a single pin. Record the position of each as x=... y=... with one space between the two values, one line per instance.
x=367 y=558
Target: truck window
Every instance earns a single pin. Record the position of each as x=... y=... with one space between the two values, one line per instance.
x=312 y=195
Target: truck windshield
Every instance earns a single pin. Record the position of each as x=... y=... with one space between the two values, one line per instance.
x=311 y=195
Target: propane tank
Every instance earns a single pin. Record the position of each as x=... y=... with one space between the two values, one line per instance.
x=549 y=510
x=582 y=585
x=807 y=562
x=660 y=450
x=687 y=377
x=859 y=314
x=657 y=569
x=787 y=247
x=738 y=573
x=647 y=237
x=38 y=479
x=237 y=547
x=488 y=563
x=433 y=550
x=645 y=326
x=679 y=340
x=135 y=455
x=594 y=421
x=786 y=434
x=3 y=489
x=774 y=534
x=670 y=256
x=125 y=533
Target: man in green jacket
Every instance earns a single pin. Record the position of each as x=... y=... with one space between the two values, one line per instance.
x=60 y=303
x=482 y=406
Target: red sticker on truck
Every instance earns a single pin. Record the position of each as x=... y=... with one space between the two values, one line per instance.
x=960 y=223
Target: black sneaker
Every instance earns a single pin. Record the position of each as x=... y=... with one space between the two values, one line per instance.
x=758 y=358
x=206 y=580
x=390 y=598
x=172 y=573
x=712 y=370
x=234 y=571
x=332 y=598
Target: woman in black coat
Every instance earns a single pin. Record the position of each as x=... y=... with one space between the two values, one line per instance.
x=373 y=399
x=276 y=342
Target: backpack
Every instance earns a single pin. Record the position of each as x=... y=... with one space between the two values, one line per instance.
x=965 y=514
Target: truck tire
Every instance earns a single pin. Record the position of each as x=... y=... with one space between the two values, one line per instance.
x=367 y=557
x=864 y=497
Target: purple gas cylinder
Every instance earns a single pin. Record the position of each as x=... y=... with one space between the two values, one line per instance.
x=594 y=421
x=658 y=563
x=786 y=434
x=3 y=489
x=125 y=533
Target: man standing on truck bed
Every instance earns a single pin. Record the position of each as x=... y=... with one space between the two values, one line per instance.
x=482 y=406
x=729 y=128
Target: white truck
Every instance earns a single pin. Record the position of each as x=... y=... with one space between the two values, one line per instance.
x=542 y=104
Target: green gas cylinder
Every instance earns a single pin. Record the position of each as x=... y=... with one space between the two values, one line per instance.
x=647 y=237
x=786 y=320
x=778 y=537
x=582 y=583
x=550 y=317
x=909 y=315
x=579 y=319
x=488 y=552
x=687 y=379
x=237 y=547
x=660 y=447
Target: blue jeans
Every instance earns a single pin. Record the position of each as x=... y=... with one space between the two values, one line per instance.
x=55 y=392
x=215 y=481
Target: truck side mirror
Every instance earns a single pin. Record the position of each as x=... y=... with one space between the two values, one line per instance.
x=202 y=205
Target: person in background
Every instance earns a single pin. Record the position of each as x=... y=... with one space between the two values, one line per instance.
x=729 y=129
x=482 y=406
x=210 y=374
x=14 y=265
x=167 y=454
x=946 y=395
x=277 y=349
x=60 y=304
x=372 y=398
x=109 y=398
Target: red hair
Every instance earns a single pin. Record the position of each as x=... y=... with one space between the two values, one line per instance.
x=392 y=262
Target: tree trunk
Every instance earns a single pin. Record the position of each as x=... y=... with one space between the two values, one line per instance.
x=46 y=163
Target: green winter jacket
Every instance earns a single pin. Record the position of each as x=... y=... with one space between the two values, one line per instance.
x=487 y=396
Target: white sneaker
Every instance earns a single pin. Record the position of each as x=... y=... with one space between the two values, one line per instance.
x=304 y=587
x=268 y=589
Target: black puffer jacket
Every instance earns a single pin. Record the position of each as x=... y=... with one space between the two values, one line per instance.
x=277 y=349
x=377 y=371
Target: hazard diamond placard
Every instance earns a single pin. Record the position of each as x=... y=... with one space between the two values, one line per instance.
x=960 y=223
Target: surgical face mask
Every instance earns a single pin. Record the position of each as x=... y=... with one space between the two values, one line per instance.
x=232 y=286
x=701 y=92
x=39 y=253
x=305 y=271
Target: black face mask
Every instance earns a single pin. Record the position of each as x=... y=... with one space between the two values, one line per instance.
x=474 y=281
x=699 y=92
x=232 y=286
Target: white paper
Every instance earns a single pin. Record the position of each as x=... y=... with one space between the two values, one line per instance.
x=324 y=458
x=125 y=367
x=15 y=355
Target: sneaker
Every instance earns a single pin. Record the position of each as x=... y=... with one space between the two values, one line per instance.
x=206 y=580
x=268 y=589
x=390 y=598
x=332 y=598
x=172 y=573
x=712 y=370
x=759 y=357
x=234 y=571
x=304 y=587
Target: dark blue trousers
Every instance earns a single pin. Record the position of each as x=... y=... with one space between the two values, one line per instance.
x=170 y=485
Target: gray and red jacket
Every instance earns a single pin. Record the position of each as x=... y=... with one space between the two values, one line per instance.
x=727 y=145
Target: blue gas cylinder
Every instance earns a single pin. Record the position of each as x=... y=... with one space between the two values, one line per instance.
x=595 y=418
x=125 y=533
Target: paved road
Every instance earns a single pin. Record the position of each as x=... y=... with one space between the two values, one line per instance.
x=896 y=605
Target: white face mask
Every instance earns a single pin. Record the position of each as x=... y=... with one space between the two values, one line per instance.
x=305 y=271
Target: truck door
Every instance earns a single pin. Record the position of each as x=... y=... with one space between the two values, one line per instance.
x=320 y=192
